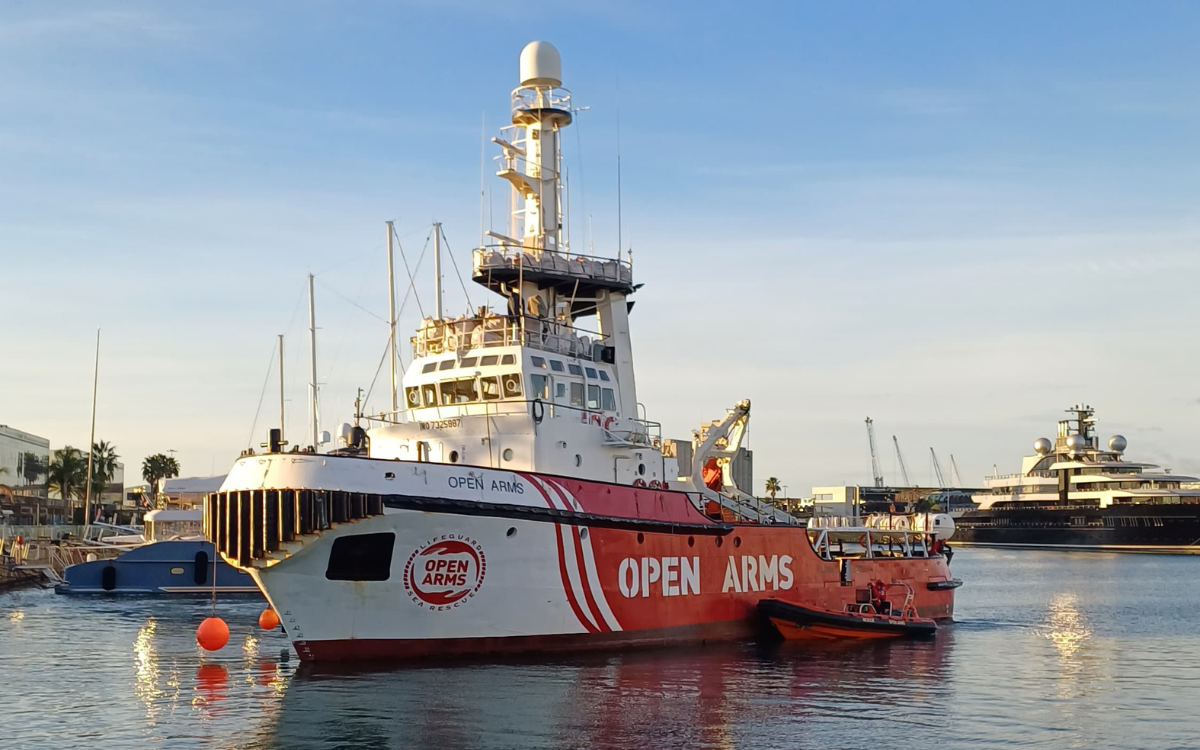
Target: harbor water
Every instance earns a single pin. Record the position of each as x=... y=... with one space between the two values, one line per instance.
x=1050 y=649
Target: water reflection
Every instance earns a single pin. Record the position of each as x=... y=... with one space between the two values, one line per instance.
x=1066 y=625
x=710 y=697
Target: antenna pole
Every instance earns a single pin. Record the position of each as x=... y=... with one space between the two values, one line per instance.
x=482 y=165
x=437 y=268
x=87 y=503
x=312 y=344
x=620 y=234
x=392 y=316
x=281 y=433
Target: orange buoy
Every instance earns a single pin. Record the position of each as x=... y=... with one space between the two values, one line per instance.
x=213 y=634
x=268 y=620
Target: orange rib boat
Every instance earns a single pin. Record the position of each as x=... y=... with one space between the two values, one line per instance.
x=857 y=621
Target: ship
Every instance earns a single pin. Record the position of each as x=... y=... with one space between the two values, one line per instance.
x=518 y=499
x=1073 y=493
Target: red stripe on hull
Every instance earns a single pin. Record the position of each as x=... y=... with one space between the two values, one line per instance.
x=351 y=649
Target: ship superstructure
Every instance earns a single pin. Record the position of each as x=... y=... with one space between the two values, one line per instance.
x=1075 y=492
x=521 y=500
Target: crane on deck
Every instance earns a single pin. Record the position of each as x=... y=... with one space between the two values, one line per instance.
x=954 y=477
x=900 y=458
x=876 y=474
x=937 y=468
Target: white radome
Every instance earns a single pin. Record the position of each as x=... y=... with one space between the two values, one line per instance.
x=1117 y=443
x=541 y=65
x=1042 y=446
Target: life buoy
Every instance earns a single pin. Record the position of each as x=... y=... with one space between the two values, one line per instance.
x=639 y=482
x=654 y=484
x=608 y=422
x=595 y=419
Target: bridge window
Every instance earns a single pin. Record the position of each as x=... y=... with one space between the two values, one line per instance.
x=461 y=391
x=490 y=387
x=593 y=392
x=560 y=391
x=538 y=362
x=575 y=370
x=430 y=392
x=603 y=375
x=556 y=365
x=609 y=402
x=361 y=557
x=591 y=372
x=446 y=364
x=429 y=367
x=508 y=359
x=539 y=386
x=488 y=360
x=468 y=361
x=576 y=394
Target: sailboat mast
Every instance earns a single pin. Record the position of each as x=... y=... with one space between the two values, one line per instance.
x=312 y=344
x=281 y=432
x=392 y=319
x=87 y=503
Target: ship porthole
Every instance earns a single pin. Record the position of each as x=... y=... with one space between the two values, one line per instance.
x=453 y=457
x=507 y=454
x=583 y=533
x=641 y=537
x=578 y=460
x=642 y=469
x=691 y=541
x=512 y=531
x=737 y=541
x=720 y=541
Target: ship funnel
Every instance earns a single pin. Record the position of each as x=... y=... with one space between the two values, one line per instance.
x=541 y=65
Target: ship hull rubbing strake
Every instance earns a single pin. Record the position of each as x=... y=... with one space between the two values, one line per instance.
x=563 y=565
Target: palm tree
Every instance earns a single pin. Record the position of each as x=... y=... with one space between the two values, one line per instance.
x=773 y=487
x=928 y=504
x=159 y=466
x=104 y=466
x=31 y=467
x=66 y=474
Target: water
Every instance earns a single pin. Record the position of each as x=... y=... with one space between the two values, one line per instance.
x=1051 y=650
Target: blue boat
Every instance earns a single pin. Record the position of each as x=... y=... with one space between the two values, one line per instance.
x=175 y=559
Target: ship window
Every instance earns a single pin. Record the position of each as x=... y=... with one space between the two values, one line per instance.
x=539 y=386
x=446 y=364
x=413 y=395
x=538 y=361
x=609 y=402
x=429 y=367
x=603 y=375
x=511 y=383
x=488 y=360
x=576 y=394
x=560 y=391
x=508 y=359
x=431 y=394
x=361 y=557
x=556 y=365
x=468 y=361
x=461 y=391
x=490 y=386
x=593 y=394
x=575 y=369
x=591 y=372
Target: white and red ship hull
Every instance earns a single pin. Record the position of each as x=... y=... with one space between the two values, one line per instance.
x=501 y=562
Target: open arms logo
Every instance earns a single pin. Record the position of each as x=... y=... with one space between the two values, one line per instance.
x=445 y=572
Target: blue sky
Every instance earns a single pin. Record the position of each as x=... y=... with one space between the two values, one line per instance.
x=957 y=218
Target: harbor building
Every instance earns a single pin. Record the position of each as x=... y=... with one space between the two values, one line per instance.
x=23 y=496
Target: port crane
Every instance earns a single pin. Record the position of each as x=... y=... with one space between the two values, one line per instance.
x=937 y=468
x=954 y=477
x=876 y=474
x=900 y=459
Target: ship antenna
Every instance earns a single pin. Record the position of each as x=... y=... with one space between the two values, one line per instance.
x=620 y=235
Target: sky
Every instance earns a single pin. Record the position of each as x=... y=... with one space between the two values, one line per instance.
x=958 y=219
